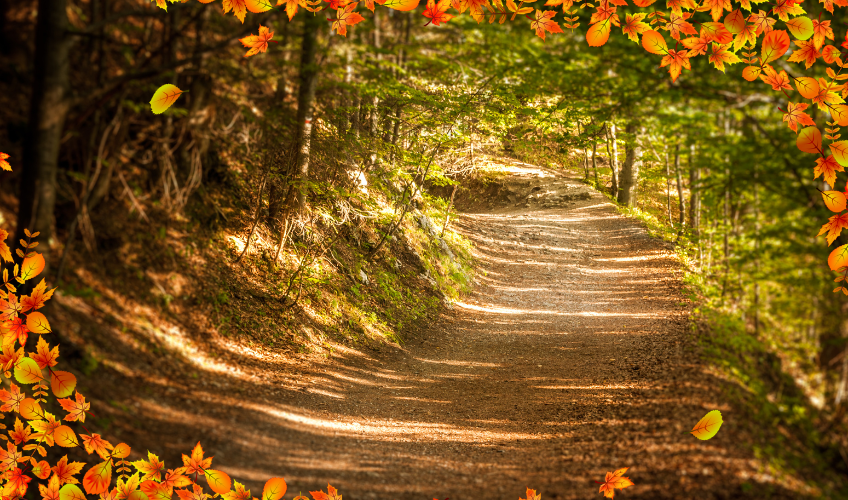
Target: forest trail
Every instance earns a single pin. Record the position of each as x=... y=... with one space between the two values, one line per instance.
x=569 y=359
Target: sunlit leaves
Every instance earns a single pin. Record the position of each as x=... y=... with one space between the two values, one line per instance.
x=401 y=5
x=678 y=24
x=807 y=87
x=31 y=410
x=151 y=468
x=291 y=6
x=165 y=96
x=800 y=27
x=274 y=489
x=834 y=200
x=796 y=116
x=4 y=165
x=257 y=43
x=437 y=12
x=218 y=481
x=37 y=323
x=98 y=477
x=838 y=258
x=653 y=42
x=32 y=266
x=332 y=494
x=65 y=437
x=809 y=140
x=735 y=22
x=71 y=492
x=66 y=471
x=62 y=383
x=598 y=33
x=774 y=45
x=28 y=372
x=615 y=480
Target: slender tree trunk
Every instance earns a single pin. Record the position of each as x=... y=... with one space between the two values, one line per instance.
x=629 y=176
x=613 y=158
x=756 y=251
x=47 y=111
x=681 y=203
x=305 y=101
x=726 y=223
x=595 y=162
x=668 y=191
x=695 y=193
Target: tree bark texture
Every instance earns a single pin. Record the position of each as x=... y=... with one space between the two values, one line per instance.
x=629 y=176
x=306 y=100
x=47 y=111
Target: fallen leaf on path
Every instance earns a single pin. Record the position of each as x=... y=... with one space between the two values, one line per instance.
x=614 y=480
x=708 y=426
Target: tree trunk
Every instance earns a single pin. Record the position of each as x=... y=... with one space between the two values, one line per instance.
x=305 y=101
x=681 y=204
x=595 y=161
x=47 y=111
x=695 y=193
x=629 y=175
x=613 y=159
x=668 y=191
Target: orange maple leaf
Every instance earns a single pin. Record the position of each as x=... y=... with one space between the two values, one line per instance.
x=795 y=116
x=291 y=6
x=716 y=7
x=532 y=495
x=151 y=468
x=821 y=30
x=12 y=398
x=806 y=53
x=51 y=491
x=566 y=4
x=239 y=8
x=9 y=307
x=5 y=253
x=332 y=494
x=239 y=492
x=66 y=471
x=834 y=227
x=196 y=464
x=10 y=456
x=93 y=443
x=676 y=60
x=344 y=18
x=748 y=36
x=615 y=480
x=678 y=24
x=196 y=493
x=762 y=22
x=45 y=356
x=15 y=328
x=37 y=298
x=257 y=43
x=721 y=56
x=20 y=434
x=437 y=12
x=4 y=164
x=778 y=81
x=697 y=45
x=634 y=26
x=828 y=168
x=544 y=22
x=175 y=479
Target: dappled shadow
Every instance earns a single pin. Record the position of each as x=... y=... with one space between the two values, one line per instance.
x=569 y=360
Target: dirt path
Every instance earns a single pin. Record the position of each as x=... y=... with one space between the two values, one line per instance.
x=569 y=360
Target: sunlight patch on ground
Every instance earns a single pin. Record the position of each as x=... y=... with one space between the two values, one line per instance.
x=394 y=430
